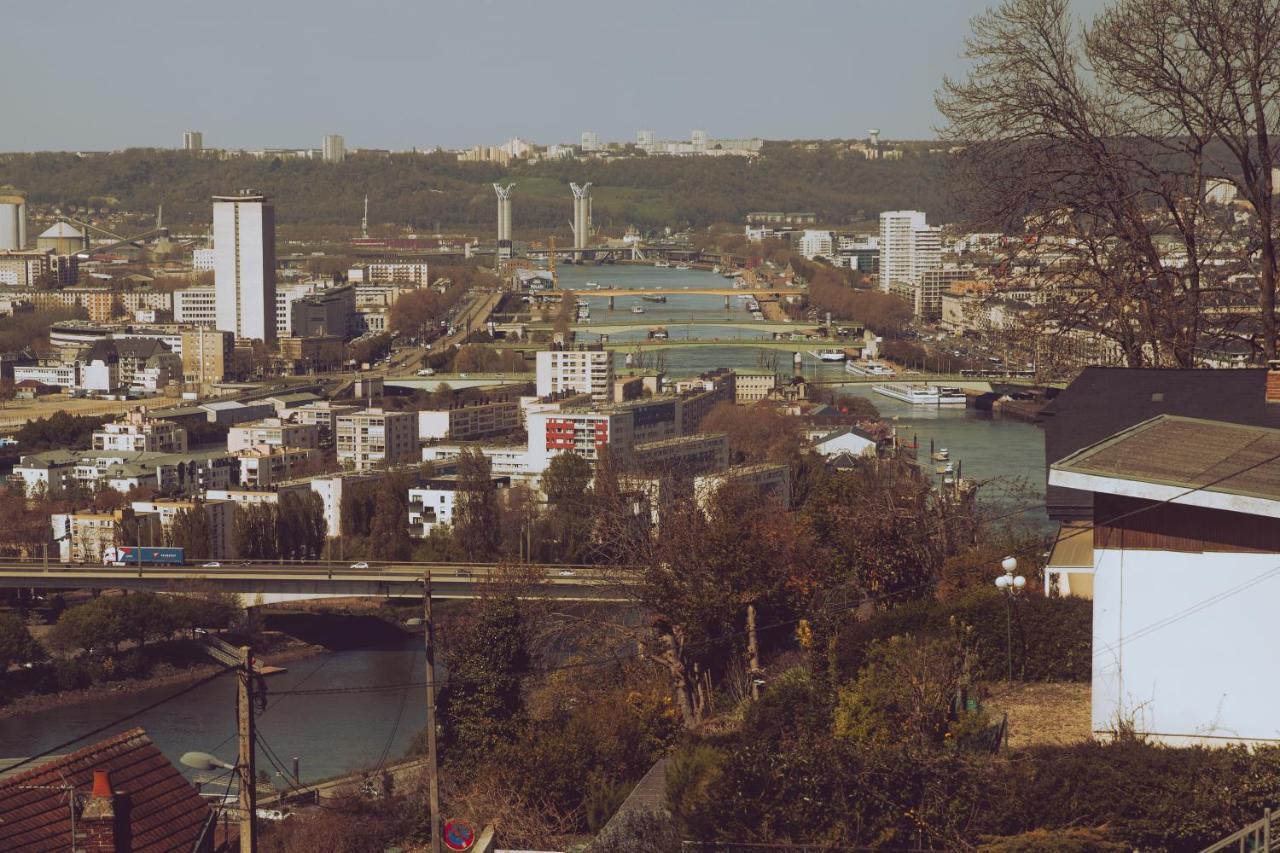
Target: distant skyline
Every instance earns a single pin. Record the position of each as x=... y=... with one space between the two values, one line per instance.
x=282 y=73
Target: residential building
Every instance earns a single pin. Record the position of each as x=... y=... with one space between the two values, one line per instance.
x=771 y=478
x=207 y=355
x=333 y=148
x=53 y=375
x=470 y=421
x=752 y=386
x=812 y=244
x=926 y=292
x=137 y=431
x=220 y=513
x=324 y=416
x=391 y=272
x=33 y=268
x=244 y=238
x=850 y=440
x=590 y=140
x=265 y=465
x=275 y=432
x=686 y=455
x=701 y=394
x=192 y=140
x=584 y=432
x=196 y=306
x=1103 y=401
x=128 y=797
x=432 y=504
x=376 y=439
x=908 y=246
x=202 y=260
x=588 y=371
x=1186 y=543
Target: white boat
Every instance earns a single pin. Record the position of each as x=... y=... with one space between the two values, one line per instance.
x=594 y=285
x=662 y=264
x=941 y=455
x=921 y=395
x=716 y=269
x=868 y=368
x=682 y=266
x=636 y=309
x=828 y=354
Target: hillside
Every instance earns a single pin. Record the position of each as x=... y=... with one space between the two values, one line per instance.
x=432 y=192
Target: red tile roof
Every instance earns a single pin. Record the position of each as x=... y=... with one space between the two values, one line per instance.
x=165 y=811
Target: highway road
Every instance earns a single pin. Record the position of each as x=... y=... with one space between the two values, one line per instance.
x=448 y=580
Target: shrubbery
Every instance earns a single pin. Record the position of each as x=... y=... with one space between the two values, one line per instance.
x=1052 y=637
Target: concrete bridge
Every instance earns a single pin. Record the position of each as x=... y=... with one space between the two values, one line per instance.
x=269 y=583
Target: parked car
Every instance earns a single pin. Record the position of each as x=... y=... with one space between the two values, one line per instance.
x=426 y=371
x=360 y=565
x=566 y=573
x=212 y=565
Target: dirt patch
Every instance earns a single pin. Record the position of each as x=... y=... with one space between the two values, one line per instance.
x=1043 y=714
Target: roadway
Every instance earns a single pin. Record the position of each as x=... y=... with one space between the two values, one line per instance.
x=317 y=579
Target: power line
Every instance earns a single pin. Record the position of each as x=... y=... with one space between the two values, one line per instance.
x=123 y=719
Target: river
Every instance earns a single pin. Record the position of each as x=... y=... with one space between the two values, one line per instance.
x=332 y=733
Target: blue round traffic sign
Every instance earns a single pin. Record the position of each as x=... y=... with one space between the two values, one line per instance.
x=458 y=835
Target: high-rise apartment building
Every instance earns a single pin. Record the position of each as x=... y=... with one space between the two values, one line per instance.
x=583 y=371
x=193 y=140
x=334 y=149
x=908 y=247
x=244 y=271
x=590 y=141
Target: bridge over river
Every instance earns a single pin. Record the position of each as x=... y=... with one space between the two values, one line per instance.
x=266 y=583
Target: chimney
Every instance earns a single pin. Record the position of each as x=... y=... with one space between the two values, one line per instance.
x=1273 y=380
x=104 y=821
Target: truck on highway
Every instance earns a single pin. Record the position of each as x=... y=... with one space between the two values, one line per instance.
x=141 y=555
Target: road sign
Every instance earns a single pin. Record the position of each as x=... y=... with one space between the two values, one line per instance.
x=458 y=835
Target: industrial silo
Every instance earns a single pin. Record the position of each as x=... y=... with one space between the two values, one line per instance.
x=13 y=219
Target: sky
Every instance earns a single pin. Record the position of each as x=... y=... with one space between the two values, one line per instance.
x=424 y=73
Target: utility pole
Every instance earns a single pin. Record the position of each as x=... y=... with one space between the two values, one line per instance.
x=248 y=781
x=433 y=757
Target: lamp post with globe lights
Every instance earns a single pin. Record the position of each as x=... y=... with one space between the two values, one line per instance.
x=1010 y=584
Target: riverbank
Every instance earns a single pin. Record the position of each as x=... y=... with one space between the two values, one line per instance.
x=34 y=702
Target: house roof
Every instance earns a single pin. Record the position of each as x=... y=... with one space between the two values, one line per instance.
x=1102 y=401
x=1183 y=460
x=165 y=812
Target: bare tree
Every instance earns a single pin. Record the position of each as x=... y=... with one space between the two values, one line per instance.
x=1099 y=139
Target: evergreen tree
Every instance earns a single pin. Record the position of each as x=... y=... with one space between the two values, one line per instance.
x=482 y=706
x=475 y=512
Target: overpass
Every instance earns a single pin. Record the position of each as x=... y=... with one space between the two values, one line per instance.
x=265 y=582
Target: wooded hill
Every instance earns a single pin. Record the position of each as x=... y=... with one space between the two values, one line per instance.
x=431 y=192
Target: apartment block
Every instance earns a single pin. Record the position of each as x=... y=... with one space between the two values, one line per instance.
x=587 y=371
x=470 y=421
x=376 y=439
x=137 y=432
x=274 y=432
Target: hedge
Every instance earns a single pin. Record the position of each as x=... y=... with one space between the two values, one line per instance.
x=1052 y=637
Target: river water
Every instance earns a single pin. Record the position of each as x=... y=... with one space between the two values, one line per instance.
x=335 y=732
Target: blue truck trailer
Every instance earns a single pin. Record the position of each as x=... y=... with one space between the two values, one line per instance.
x=141 y=555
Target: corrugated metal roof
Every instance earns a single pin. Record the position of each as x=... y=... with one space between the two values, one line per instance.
x=165 y=811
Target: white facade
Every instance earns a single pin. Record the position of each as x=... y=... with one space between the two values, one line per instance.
x=273 y=432
x=196 y=306
x=582 y=371
x=812 y=244
x=590 y=141
x=135 y=431
x=13 y=223
x=202 y=260
x=244 y=239
x=192 y=140
x=908 y=246
x=333 y=148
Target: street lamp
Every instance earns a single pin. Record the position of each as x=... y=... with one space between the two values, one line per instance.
x=1010 y=584
x=204 y=761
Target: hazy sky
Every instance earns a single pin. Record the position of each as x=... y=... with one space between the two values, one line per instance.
x=404 y=73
